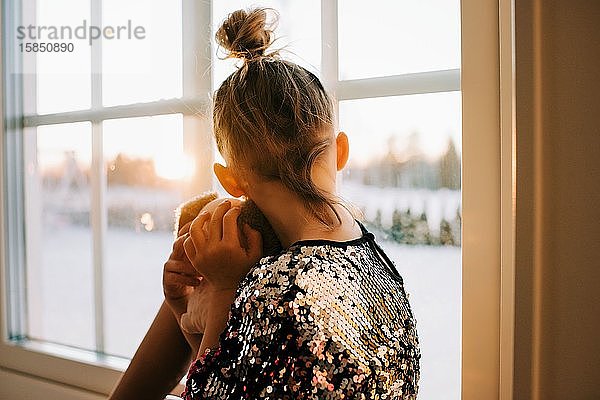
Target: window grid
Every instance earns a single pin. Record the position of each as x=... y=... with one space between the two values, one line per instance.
x=194 y=86
x=191 y=102
x=195 y=14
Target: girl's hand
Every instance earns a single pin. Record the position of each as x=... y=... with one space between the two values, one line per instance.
x=214 y=249
x=179 y=276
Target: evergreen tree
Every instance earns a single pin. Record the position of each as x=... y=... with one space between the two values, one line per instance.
x=408 y=228
x=377 y=220
x=446 y=238
x=449 y=165
x=396 y=230
x=456 y=226
x=422 y=234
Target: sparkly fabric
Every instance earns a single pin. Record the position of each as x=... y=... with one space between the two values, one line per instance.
x=321 y=320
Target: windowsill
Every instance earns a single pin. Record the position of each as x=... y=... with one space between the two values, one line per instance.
x=78 y=368
x=85 y=369
x=73 y=354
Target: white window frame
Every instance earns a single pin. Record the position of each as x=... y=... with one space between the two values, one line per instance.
x=487 y=84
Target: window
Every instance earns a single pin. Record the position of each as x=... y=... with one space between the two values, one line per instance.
x=100 y=145
x=400 y=104
x=404 y=175
x=103 y=144
x=99 y=193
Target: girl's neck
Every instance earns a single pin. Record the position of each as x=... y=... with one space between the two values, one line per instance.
x=292 y=222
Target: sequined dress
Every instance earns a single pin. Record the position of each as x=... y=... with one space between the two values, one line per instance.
x=321 y=320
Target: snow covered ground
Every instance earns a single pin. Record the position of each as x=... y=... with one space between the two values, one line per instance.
x=432 y=277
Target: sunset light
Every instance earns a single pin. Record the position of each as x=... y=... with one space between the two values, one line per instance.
x=178 y=167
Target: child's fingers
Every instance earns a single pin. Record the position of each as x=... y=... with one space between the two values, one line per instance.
x=181 y=267
x=216 y=222
x=178 y=251
x=230 y=227
x=188 y=269
x=196 y=230
x=190 y=249
x=184 y=229
x=175 y=278
x=254 y=242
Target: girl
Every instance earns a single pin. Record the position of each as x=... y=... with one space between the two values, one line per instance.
x=328 y=317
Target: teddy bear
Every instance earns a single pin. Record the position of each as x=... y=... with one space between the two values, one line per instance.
x=249 y=214
x=191 y=321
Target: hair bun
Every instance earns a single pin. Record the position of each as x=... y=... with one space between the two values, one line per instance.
x=246 y=34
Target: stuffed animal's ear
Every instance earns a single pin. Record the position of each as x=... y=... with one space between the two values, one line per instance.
x=228 y=180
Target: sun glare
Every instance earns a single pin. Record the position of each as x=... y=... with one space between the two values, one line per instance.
x=179 y=167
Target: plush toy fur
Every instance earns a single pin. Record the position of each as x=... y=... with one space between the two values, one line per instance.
x=249 y=214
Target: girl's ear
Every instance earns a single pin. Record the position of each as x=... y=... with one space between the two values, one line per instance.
x=343 y=150
x=228 y=180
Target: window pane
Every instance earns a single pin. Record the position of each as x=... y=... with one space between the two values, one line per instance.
x=404 y=174
x=391 y=37
x=59 y=239
x=63 y=78
x=140 y=70
x=298 y=30
x=146 y=170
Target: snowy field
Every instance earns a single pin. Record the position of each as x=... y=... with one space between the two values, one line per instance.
x=61 y=300
x=432 y=277
x=437 y=204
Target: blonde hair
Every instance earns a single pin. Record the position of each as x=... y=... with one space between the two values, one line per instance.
x=272 y=116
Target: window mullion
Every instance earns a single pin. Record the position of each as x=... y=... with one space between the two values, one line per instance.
x=13 y=173
x=329 y=52
x=98 y=218
x=98 y=223
x=161 y=107
x=330 y=59
x=197 y=83
x=32 y=198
